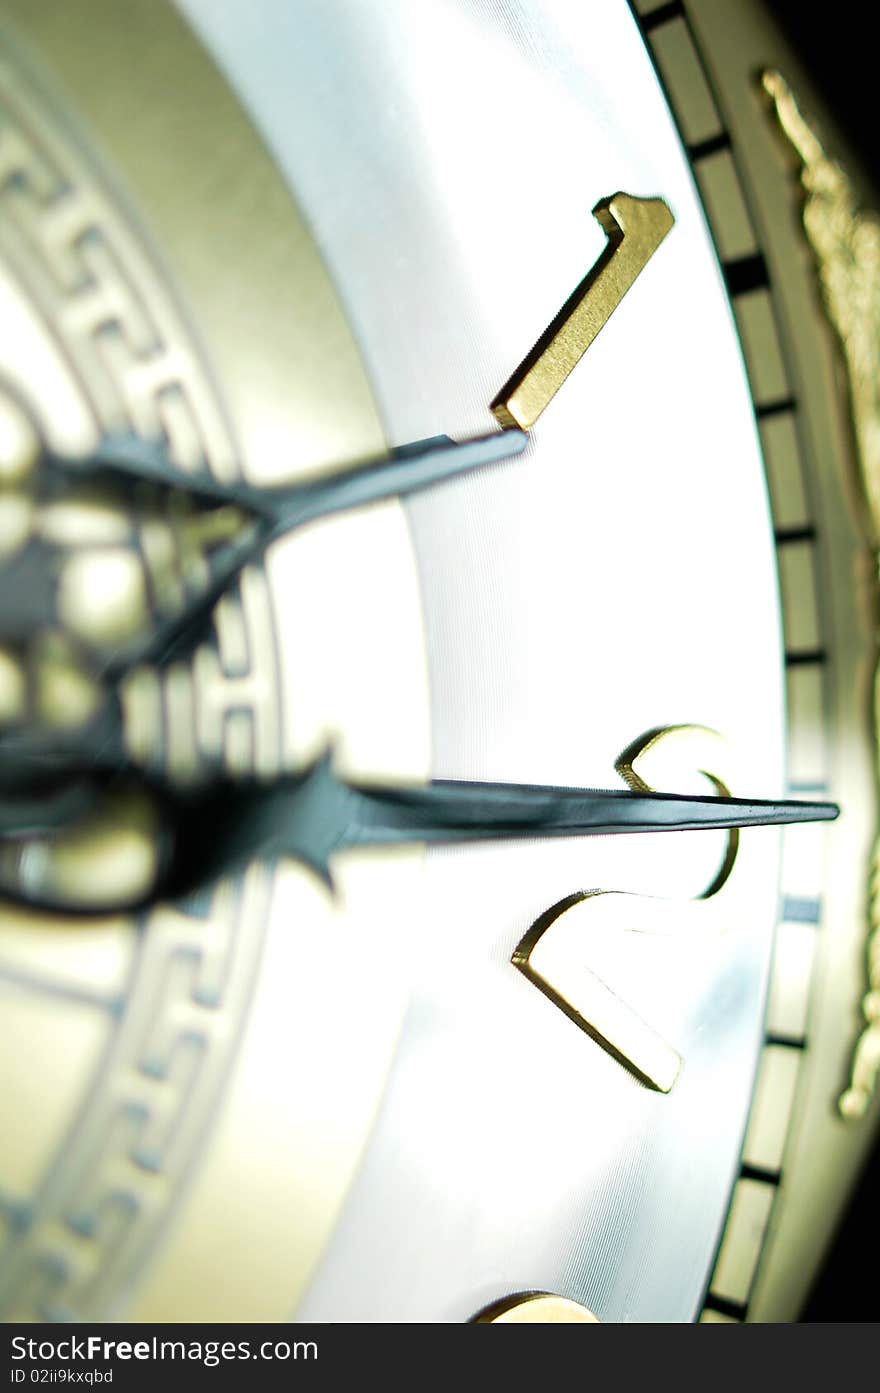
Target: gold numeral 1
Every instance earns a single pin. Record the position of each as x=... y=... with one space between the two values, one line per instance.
x=635 y=228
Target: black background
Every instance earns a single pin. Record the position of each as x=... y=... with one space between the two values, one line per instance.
x=837 y=45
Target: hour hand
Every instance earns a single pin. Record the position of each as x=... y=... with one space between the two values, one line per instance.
x=267 y=514
x=179 y=538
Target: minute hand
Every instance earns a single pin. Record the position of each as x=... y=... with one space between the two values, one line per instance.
x=447 y=810
x=313 y=816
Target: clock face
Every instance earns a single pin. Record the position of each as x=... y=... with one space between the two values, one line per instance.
x=390 y=1101
x=563 y=619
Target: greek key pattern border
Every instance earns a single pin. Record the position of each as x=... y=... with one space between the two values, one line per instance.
x=75 y=1246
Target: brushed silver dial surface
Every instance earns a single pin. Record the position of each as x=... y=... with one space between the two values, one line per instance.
x=621 y=577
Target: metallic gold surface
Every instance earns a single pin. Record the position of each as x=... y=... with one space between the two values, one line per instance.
x=102 y=597
x=556 y=966
x=553 y=953
x=19 y=444
x=107 y=859
x=845 y=239
x=193 y=1057
x=635 y=227
x=13 y=687
x=309 y=372
x=535 y=1308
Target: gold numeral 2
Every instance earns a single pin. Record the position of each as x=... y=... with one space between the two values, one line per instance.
x=553 y=953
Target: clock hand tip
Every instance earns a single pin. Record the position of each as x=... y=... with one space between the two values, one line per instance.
x=822 y=812
x=796 y=810
x=774 y=813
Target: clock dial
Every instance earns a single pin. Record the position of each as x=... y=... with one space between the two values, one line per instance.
x=430 y=262
x=361 y=1055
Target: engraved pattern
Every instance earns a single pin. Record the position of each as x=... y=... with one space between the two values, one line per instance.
x=117 y=1174
x=77 y=1241
x=226 y=696
x=846 y=243
x=67 y=242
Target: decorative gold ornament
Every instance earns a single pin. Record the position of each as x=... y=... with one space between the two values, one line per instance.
x=846 y=241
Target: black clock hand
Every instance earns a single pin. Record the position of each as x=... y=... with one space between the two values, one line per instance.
x=135 y=471
x=318 y=814
x=313 y=816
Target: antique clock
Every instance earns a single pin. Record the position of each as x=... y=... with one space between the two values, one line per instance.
x=430 y=434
